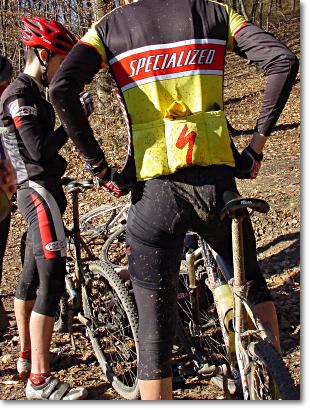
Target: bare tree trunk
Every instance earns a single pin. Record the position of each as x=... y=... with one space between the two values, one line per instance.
x=233 y=4
x=269 y=14
x=243 y=10
x=253 y=10
x=261 y=7
x=99 y=8
x=104 y=81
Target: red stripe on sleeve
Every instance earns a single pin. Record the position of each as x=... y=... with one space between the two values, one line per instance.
x=239 y=28
x=17 y=122
x=45 y=231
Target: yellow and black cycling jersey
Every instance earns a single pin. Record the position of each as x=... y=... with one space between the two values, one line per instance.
x=170 y=78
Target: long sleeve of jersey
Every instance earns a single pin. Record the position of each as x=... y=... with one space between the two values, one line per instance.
x=280 y=66
x=40 y=147
x=70 y=81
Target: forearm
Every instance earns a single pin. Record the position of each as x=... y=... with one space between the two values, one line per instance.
x=258 y=142
x=64 y=92
x=277 y=91
x=280 y=66
x=57 y=140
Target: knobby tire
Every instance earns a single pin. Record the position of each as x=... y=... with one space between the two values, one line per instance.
x=113 y=328
x=273 y=380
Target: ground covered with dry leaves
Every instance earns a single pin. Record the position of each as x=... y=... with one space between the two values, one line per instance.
x=278 y=233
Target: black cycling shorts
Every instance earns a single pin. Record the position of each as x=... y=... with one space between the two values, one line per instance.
x=44 y=264
x=162 y=211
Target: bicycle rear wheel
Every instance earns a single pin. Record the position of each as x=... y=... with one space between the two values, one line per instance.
x=268 y=377
x=112 y=328
x=207 y=337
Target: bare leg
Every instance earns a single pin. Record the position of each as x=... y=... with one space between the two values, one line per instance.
x=156 y=389
x=23 y=309
x=267 y=313
x=41 y=329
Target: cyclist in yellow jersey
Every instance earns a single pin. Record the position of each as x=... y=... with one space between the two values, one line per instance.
x=167 y=58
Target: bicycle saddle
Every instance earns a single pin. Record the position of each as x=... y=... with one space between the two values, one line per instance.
x=236 y=206
x=74 y=184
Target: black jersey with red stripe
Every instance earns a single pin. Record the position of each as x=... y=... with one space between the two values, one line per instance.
x=161 y=51
x=31 y=141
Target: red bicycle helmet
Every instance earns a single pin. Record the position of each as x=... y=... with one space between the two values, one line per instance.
x=51 y=35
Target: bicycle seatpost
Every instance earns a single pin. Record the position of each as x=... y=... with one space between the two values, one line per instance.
x=237 y=215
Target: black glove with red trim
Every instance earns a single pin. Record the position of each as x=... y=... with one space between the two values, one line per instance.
x=248 y=164
x=114 y=183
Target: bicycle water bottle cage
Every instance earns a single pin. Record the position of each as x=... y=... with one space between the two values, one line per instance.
x=236 y=206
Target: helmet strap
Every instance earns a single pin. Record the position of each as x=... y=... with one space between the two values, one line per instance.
x=44 y=65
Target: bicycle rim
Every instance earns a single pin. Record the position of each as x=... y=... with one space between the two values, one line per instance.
x=113 y=328
x=114 y=249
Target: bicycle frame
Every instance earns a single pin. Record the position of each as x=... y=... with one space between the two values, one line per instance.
x=122 y=214
x=218 y=270
x=80 y=275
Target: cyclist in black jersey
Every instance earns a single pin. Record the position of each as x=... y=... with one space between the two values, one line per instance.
x=167 y=58
x=32 y=145
x=7 y=185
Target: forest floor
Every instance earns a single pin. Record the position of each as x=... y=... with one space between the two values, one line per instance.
x=278 y=238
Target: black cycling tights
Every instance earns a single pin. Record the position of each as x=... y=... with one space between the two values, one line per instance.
x=44 y=266
x=162 y=211
x=47 y=288
x=157 y=307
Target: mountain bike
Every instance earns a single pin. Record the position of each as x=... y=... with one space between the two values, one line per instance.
x=98 y=299
x=246 y=365
x=217 y=326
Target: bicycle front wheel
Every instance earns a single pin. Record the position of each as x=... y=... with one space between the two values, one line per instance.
x=97 y=222
x=114 y=249
x=268 y=377
x=112 y=328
